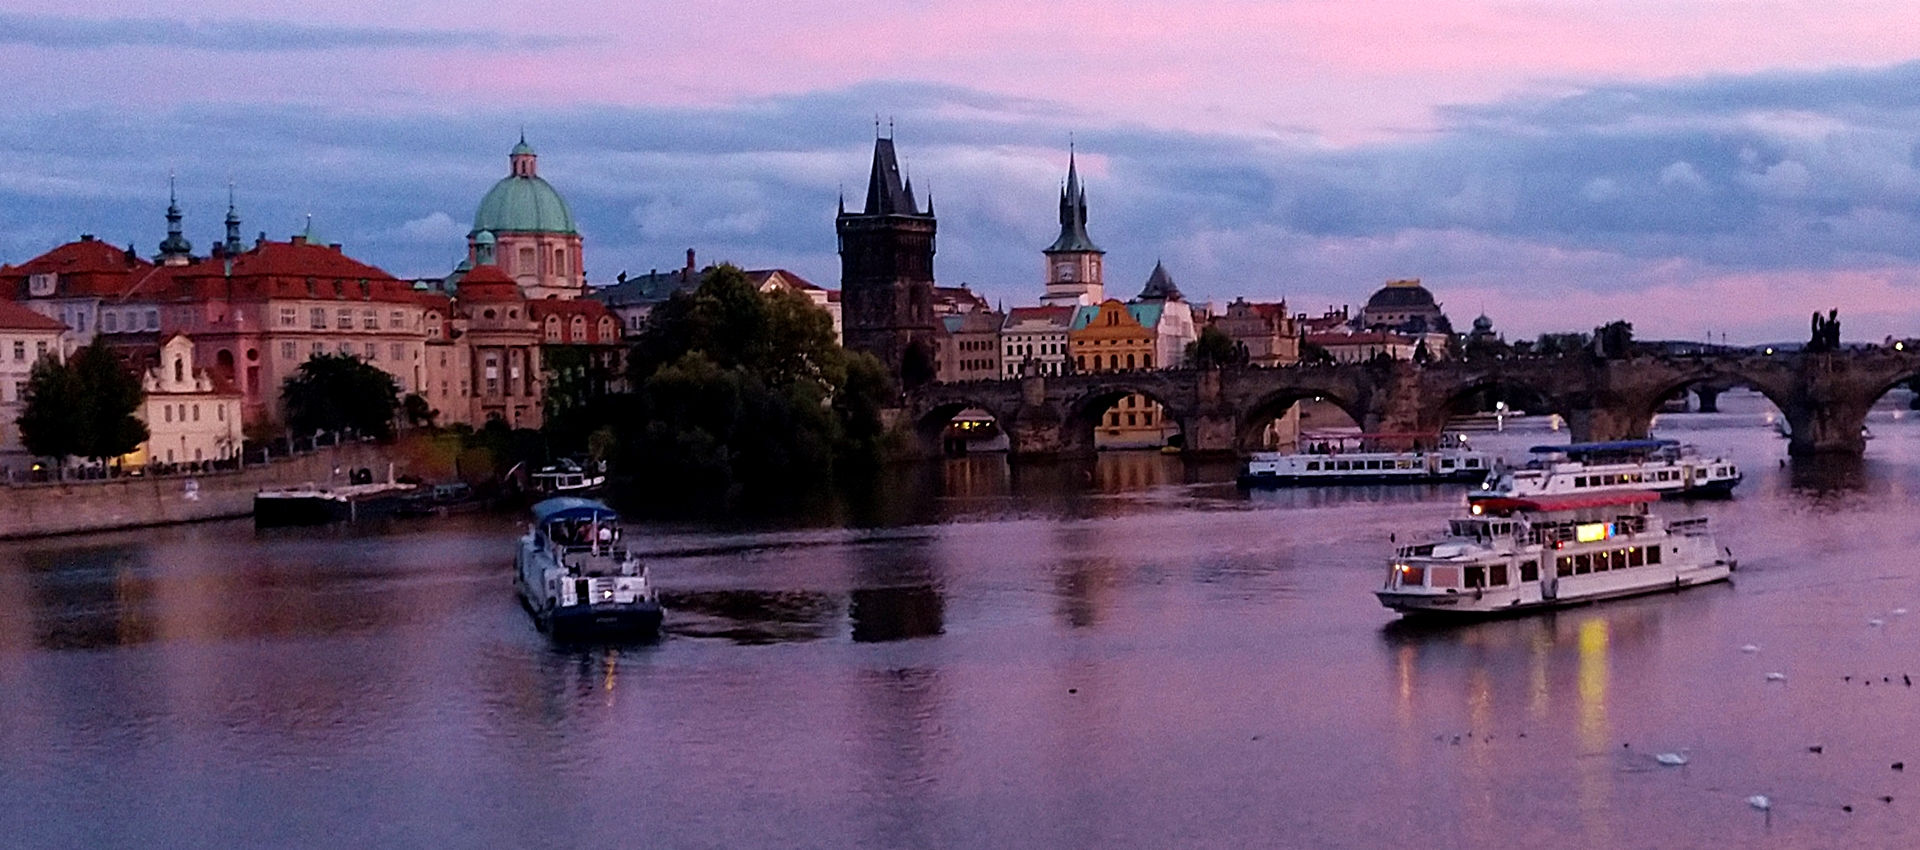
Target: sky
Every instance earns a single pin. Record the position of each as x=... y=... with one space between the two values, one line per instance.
x=1694 y=167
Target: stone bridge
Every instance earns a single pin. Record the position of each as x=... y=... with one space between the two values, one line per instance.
x=1825 y=397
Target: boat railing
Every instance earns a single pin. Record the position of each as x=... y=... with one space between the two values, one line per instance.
x=1692 y=525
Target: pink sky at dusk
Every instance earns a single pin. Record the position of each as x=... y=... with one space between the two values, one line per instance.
x=1665 y=161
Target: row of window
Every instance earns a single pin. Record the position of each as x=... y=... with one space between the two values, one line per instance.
x=1627 y=478
x=1497 y=575
x=1015 y=370
x=1132 y=418
x=1611 y=559
x=20 y=350
x=169 y=413
x=117 y=321
x=1028 y=349
x=397 y=351
x=1111 y=362
x=343 y=318
x=976 y=365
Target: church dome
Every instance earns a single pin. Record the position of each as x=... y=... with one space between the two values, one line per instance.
x=1402 y=295
x=523 y=202
x=1482 y=324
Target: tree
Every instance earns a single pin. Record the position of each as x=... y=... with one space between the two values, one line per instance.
x=1614 y=339
x=418 y=410
x=112 y=396
x=1214 y=349
x=338 y=392
x=53 y=416
x=743 y=398
x=1315 y=353
x=85 y=407
x=1561 y=344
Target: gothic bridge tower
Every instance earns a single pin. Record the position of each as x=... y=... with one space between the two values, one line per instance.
x=886 y=273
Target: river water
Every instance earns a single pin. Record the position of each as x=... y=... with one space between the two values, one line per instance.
x=1129 y=654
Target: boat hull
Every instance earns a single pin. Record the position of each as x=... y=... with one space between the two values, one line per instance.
x=1528 y=599
x=1249 y=479
x=605 y=620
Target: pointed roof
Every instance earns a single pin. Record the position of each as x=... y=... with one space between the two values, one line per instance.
x=1073 y=216
x=1160 y=286
x=887 y=194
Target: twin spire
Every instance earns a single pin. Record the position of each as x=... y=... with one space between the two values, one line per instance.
x=1073 y=215
x=889 y=191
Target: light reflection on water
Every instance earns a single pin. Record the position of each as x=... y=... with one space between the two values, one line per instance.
x=1126 y=653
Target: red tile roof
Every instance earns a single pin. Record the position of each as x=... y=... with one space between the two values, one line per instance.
x=16 y=317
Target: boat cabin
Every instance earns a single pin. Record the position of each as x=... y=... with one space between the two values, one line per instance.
x=584 y=536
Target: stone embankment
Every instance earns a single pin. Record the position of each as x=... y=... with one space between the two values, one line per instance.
x=37 y=510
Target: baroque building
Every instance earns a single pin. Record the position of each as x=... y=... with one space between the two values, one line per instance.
x=524 y=227
x=886 y=273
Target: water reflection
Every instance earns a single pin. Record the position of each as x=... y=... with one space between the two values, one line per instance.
x=896 y=613
x=751 y=616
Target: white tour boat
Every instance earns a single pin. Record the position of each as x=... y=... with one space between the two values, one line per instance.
x=1351 y=458
x=566 y=477
x=1660 y=466
x=1516 y=555
x=576 y=575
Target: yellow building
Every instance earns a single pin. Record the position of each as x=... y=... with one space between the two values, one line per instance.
x=1114 y=336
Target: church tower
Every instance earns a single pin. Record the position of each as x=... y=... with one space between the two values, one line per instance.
x=886 y=273
x=1074 y=276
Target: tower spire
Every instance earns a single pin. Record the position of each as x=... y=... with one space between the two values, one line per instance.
x=175 y=249
x=233 y=224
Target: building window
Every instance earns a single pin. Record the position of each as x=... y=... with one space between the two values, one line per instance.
x=346 y=348
x=19 y=351
x=196 y=416
x=167 y=411
x=370 y=320
x=399 y=352
x=110 y=322
x=288 y=316
x=153 y=320
x=525 y=266
x=220 y=412
x=318 y=320
x=287 y=350
x=345 y=319
x=317 y=349
x=373 y=351
x=397 y=320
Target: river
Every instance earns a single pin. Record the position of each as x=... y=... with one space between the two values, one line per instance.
x=1133 y=653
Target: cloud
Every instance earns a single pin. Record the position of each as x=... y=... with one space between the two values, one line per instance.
x=1658 y=202
x=434 y=227
x=63 y=32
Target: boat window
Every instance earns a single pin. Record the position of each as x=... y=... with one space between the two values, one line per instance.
x=1582 y=564
x=1313 y=466
x=1580 y=481
x=1529 y=571
x=1473 y=463
x=1653 y=554
x=1446 y=464
x=1412 y=576
x=1563 y=566
x=1497 y=575
x=1636 y=557
x=1611 y=560
x=1343 y=465
x=1476 y=577
x=1444 y=577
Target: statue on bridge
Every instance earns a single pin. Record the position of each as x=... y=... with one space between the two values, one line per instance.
x=1826 y=332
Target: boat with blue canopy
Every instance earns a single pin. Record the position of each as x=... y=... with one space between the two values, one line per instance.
x=576 y=575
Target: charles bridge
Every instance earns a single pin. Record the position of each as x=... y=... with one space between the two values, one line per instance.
x=1824 y=396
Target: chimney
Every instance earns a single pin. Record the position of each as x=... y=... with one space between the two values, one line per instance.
x=86 y=237
x=298 y=239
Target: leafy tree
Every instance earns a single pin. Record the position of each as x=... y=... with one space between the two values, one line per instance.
x=1614 y=339
x=1214 y=348
x=338 y=392
x=54 y=416
x=1561 y=344
x=418 y=410
x=112 y=396
x=1314 y=353
x=743 y=398
x=86 y=407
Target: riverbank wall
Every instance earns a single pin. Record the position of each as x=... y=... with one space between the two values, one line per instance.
x=40 y=510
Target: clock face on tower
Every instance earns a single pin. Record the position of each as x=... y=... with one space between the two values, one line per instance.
x=1064 y=270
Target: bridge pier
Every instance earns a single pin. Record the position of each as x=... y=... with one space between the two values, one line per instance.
x=1709 y=399
x=1826 y=429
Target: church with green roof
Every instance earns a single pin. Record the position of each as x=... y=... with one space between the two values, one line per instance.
x=524 y=228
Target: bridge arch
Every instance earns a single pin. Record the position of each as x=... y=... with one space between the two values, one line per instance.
x=1772 y=383
x=1252 y=424
x=934 y=421
x=1084 y=411
x=1524 y=392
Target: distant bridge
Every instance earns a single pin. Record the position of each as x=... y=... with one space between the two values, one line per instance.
x=1824 y=396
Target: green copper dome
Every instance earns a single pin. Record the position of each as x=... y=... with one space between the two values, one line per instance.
x=523 y=204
